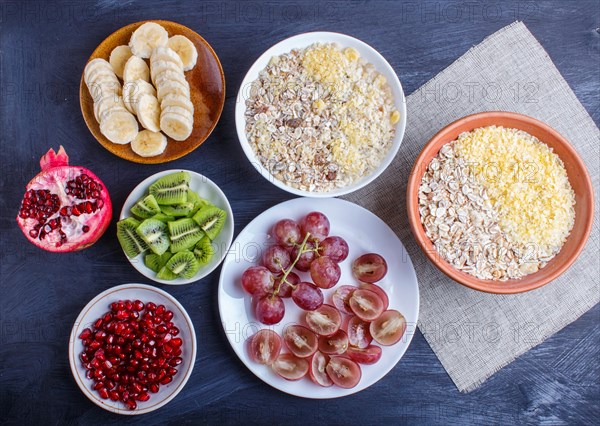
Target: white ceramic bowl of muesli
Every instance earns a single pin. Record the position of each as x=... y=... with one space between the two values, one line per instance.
x=320 y=114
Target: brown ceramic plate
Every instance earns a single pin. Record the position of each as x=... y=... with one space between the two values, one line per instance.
x=207 y=87
x=578 y=177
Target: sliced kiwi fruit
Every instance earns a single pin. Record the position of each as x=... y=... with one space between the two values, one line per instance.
x=197 y=201
x=155 y=234
x=178 y=210
x=204 y=251
x=183 y=264
x=211 y=219
x=171 y=189
x=165 y=273
x=156 y=262
x=130 y=241
x=146 y=208
x=184 y=234
x=163 y=217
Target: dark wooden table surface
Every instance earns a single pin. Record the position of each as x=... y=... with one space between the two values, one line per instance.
x=43 y=48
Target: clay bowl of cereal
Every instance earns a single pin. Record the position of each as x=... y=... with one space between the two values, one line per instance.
x=320 y=114
x=500 y=202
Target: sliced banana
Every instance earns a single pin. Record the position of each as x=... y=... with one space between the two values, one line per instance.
x=102 y=76
x=166 y=54
x=179 y=111
x=148 y=112
x=93 y=65
x=178 y=101
x=119 y=126
x=169 y=75
x=107 y=113
x=159 y=66
x=118 y=58
x=149 y=144
x=132 y=90
x=175 y=126
x=146 y=38
x=107 y=104
x=172 y=87
x=185 y=49
x=136 y=69
x=104 y=89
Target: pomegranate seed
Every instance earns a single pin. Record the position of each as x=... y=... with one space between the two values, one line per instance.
x=85 y=228
x=144 y=396
x=89 y=374
x=109 y=384
x=97 y=386
x=124 y=395
x=85 y=333
x=100 y=335
x=150 y=306
x=166 y=380
x=175 y=361
x=84 y=357
x=168 y=316
x=131 y=404
x=113 y=395
x=176 y=342
x=138 y=305
x=160 y=309
x=95 y=345
x=153 y=388
x=161 y=329
x=98 y=323
x=171 y=371
x=103 y=393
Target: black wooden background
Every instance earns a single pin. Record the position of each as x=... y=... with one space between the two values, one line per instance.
x=43 y=48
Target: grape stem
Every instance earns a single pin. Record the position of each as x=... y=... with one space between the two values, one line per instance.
x=289 y=269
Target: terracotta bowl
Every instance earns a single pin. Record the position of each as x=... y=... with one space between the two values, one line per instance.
x=207 y=88
x=578 y=177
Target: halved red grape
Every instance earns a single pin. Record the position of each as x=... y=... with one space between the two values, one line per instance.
x=324 y=272
x=300 y=341
x=368 y=355
x=265 y=346
x=258 y=280
x=341 y=297
x=324 y=321
x=389 y=328
x=306 y=257
x=336 y=344
x=343 y=372
x=334 y=247
x=380 y=292
x=276 y=259
x=366 y=304
x=307 y=296
x=270 y=309
x=317 y=372
x=285 y=289
x=290 y=367
x=358 y=333
x=287 y=233
x=369 y=268
x=317 y=224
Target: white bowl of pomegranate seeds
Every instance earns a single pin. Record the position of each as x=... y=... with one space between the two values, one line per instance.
x=313 y=316
x=132 y=349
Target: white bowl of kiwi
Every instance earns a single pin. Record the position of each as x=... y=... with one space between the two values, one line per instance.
x=176 y=227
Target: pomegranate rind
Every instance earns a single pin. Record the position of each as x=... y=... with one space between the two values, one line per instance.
x=55 y=169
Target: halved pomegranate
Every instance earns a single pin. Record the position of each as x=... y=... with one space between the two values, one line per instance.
x=65 y=208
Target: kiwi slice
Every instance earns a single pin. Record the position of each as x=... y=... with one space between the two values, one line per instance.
x=184 y=234
x=204 y=251
x=146 y=208
x=154 y=233
x=163 y=217
x=211 y=219
x=130 y=241
x=171 y=189
x=165 y=273
x=178 y=210
x=183 y=264
x=197 y=201
x=156 y=262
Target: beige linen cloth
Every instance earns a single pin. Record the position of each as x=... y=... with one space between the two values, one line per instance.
x=475 y=334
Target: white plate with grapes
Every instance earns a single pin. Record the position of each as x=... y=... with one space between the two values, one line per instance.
x=318 y=298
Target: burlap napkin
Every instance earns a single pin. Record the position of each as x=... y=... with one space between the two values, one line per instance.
x=475 y=334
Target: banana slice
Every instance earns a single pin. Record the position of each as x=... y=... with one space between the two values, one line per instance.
x=169 y=75
x=175 y=126
x=101 y=76
x=148 y=112
x=105 y=114
x=149 y=144
x=185 y=49
x=147 y=37
x=94 y=65
x=136 y=69
x=179 y=111
x=132 y=90
x=172 y=87
x=118 y=58
x=104 y=89
x=107 y=104
x=119 y=126
x=178 y=101
x=166 y=54
x=159 y=66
